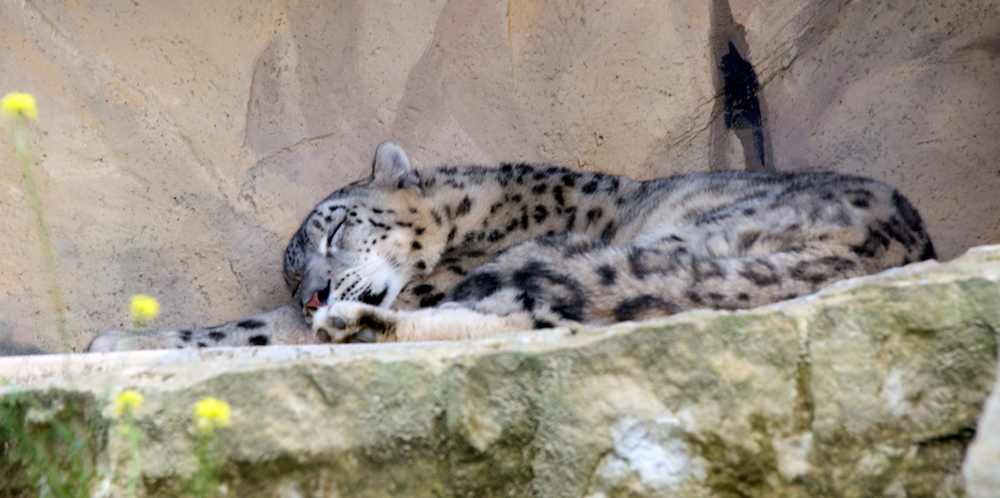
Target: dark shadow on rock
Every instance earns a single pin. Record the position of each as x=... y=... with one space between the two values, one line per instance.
x=737 y=97
x=10 y=347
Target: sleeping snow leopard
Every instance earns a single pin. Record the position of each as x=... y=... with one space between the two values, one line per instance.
x=464 y=252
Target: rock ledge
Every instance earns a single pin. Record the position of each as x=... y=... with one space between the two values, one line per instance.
x=870 y=388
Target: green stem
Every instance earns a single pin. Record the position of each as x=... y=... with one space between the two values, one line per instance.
x=48 y=252
x=133 y=444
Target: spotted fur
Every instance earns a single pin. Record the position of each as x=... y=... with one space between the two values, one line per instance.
x=461 y=252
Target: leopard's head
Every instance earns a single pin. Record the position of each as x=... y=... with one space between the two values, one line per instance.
x=366 y=241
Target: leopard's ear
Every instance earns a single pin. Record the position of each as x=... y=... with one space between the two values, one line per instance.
x=392 y=169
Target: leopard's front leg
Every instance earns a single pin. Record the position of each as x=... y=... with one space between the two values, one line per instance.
x=352 y=321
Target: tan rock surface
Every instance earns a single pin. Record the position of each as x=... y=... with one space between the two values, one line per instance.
x=180 y=143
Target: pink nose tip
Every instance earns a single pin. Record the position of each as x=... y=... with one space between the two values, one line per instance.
x=314 y=303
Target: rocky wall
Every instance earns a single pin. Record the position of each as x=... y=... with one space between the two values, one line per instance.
x=180 y=143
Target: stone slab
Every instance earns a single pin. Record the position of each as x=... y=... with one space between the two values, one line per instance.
x=870 y=388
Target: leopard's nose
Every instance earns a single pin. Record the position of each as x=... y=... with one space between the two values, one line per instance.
x=318 y=299
x=314 y=303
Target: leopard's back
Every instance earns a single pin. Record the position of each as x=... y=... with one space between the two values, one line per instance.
x=812 y=228
x=731 y=214
x=716 y=240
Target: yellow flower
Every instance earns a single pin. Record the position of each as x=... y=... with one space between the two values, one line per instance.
x=210 y=413
x=127 y=402
x=143 y=308
x=18 y=104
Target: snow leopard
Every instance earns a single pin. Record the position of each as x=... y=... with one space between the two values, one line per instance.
x=461 y=252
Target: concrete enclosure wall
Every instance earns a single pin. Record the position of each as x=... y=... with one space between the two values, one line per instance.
x=180 y=143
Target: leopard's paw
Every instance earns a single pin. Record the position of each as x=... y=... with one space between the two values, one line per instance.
x=352 y=321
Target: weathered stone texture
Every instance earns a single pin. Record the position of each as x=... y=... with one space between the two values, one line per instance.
x=180 y=143
x=982 y=463
x=870 y=388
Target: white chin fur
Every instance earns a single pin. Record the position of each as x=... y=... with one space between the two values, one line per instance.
x=395 y=286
